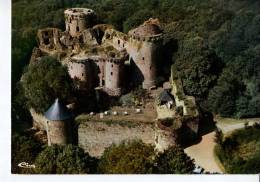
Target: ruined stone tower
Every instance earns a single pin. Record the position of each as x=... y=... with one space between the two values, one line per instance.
x=58 y=124
x=144 y=50
x=80 y=71
x=78 y=19
x=113 y=75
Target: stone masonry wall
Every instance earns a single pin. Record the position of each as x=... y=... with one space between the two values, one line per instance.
x=94 y=137
x=58 y=132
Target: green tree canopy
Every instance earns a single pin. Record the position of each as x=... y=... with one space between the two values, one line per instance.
x=45 y=80
x=239 y=152
x=24 y=149
x=174 y=161
x=68 y=159
x=127 y=158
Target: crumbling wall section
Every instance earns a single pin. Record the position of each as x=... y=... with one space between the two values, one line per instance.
x=89 y=37
x=115 y=38
x=191 y=113
x=165 y=137
x=49 y=39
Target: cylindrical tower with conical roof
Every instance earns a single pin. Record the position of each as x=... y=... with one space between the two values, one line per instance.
x=58 y=125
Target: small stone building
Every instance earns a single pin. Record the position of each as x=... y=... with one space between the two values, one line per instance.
x=165 y=98
x=58 y=124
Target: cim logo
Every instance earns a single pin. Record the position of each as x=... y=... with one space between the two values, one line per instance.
x=26 y=165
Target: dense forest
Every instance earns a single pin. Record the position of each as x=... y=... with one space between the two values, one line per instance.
x=213 y=45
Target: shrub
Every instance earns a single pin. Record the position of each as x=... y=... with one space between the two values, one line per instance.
x=45 y=80
x=127 y=158
x=24 y=149
x=218 y=136
x=127 y=100
x=174 y=161
x=231 y=151
x=67 y=159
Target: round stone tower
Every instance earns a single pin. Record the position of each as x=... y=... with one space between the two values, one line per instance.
x=80 y=71
x=58 y=124
x=113 y=76
x=144 y=48
x=78 y=19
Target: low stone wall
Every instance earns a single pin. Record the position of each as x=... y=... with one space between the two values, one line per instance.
x=94 y=137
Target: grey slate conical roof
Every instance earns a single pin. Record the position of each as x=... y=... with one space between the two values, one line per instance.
x=58 y=112
x=165 y=96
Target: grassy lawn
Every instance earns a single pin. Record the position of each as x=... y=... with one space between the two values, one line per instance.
x=146 y=115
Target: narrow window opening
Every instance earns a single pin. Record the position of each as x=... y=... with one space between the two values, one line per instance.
x=143 y=58
x=112 y=65
x=118 y=42
x=111 y=73
x=156 y=139
x=77 y=28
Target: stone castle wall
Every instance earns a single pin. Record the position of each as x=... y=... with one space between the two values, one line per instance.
x=188 y=103
x=94 y=137
x=115 y=38
x=164 y=137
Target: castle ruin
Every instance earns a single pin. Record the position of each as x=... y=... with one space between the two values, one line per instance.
x=97 y=55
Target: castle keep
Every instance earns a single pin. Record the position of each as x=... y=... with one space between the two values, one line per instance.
x=97 y=55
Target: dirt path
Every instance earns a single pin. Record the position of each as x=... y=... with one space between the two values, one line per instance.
x=228 y=125
x=203 y=153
